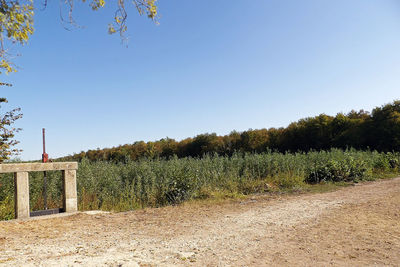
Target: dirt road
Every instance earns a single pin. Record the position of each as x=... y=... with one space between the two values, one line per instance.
x=357 y=225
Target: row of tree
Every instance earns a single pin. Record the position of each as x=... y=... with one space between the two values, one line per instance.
x=376 y=130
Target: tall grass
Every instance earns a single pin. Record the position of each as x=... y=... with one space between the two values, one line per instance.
x=153 y=183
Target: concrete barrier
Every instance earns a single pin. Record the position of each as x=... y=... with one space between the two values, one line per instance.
x=21 y=184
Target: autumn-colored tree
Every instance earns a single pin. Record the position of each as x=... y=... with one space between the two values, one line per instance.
x=255 y=140
x=379 y=130
x=16 y=27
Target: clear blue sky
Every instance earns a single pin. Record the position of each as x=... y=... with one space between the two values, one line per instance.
x=210 y=66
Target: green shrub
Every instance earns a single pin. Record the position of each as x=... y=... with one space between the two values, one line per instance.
x=338 y=169
x=288 y=181
x=7 y=208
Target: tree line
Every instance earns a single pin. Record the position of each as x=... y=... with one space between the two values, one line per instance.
x=377 y=130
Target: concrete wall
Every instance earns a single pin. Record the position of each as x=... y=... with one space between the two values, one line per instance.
x=21 y=184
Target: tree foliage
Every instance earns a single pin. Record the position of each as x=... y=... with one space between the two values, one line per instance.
x=17 y=25
x=379 y=130
x=17 y=18
x=7 y=132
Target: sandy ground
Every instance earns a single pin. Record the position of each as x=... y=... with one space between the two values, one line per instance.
x=354 y=226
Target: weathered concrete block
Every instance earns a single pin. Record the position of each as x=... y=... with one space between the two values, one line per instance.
x=21 y=185
x=35 y=167
x=21 y=182
x=70 y=194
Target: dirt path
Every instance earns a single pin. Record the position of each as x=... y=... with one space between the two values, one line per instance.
x=357 y=226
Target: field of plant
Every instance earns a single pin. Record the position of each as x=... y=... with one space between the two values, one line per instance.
x=157 y=182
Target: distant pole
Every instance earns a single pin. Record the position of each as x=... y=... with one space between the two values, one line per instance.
x=45 y=158
x=44 y=143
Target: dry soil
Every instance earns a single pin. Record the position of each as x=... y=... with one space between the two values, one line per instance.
x=354 y=226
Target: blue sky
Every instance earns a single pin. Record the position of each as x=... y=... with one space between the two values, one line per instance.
x=210 y=66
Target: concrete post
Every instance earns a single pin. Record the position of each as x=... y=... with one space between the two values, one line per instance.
x=21 y=194
x=70 y=194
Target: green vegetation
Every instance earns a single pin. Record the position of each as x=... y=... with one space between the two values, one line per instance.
x=7 y=131
x=308 y=155
x=379 y=130
x=157 y=182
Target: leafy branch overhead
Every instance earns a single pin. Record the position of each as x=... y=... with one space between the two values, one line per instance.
x=17 y=18
x=16 y=25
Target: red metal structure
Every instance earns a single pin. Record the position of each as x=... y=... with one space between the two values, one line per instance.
x=45 y=156
x=46 y=210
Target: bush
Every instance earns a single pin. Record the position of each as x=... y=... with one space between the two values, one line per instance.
x=340 y=169
x=7 y=208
